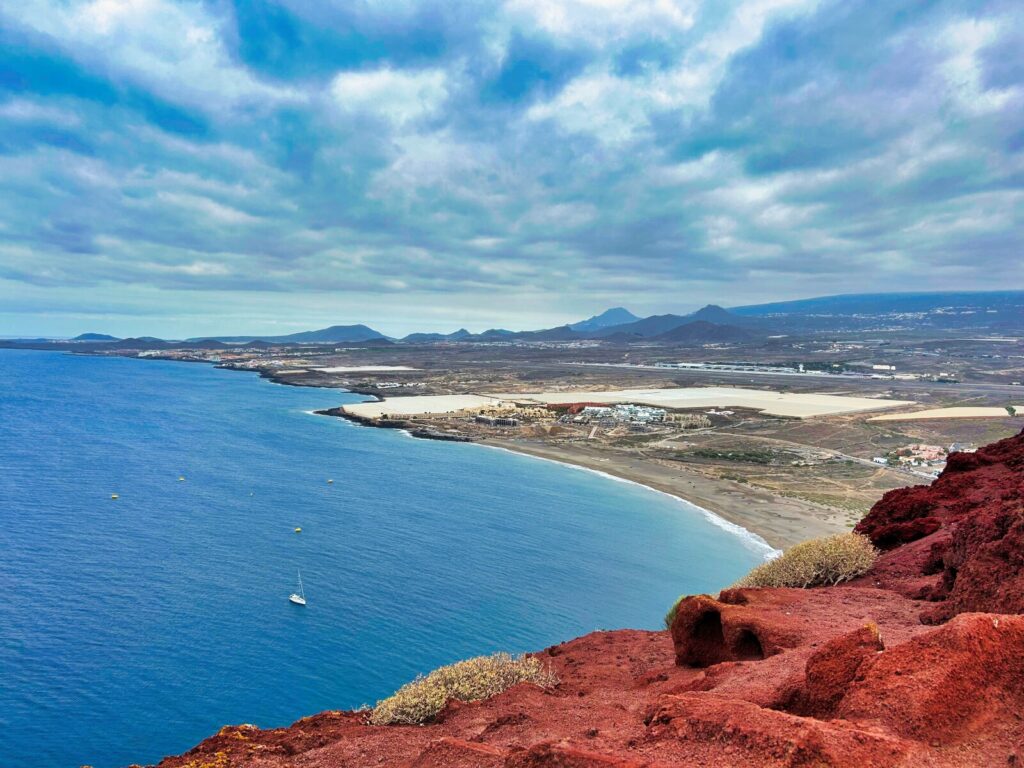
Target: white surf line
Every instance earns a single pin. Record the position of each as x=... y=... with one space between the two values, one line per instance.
x=751 y=539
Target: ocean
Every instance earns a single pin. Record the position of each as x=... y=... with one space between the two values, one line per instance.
x=133 y=628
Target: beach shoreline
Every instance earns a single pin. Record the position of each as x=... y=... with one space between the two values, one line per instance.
x=752 y=539
x=779 y=522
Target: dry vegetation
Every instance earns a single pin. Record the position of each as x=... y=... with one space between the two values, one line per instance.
x=815 y=563
x=828 y=560
x=470 y=680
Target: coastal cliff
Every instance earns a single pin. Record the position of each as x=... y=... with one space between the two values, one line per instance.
x=919 y=662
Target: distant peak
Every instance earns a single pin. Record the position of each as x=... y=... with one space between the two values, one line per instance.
x=608 y=318
x=95 y=337
x=713 y=313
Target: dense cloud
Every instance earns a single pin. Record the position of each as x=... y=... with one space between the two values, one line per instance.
x=177 y=167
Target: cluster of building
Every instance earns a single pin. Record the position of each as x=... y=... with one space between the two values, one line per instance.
x=931 y=457
x=510 y=415
x=496 y=421
x=604 y=414
x=862 y=370
x=737 y=367
x=689 y=420
x=244 y=359
x=619 y=414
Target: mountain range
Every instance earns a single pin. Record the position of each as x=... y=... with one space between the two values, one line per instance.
x=333 y=334
x=993 y=312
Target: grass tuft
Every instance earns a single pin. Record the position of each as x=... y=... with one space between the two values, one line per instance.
x=470 y=680
x=671 y=615
x=818 y=562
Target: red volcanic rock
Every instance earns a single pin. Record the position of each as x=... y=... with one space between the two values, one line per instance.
x=752 y=624
x=831 y=670
x=456 y=753
x=853 y=676
x=894 y=534
x=978 y=550
x=971 y=481
x=958 y=682
x=734 y=732
x=983 y=563
x=901 y=516
x=555 y=756
x=702 y=636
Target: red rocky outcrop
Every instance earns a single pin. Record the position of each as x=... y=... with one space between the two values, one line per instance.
x=978 y=548
x=832 y=670
x=952 y=685
x=752 y=624
x=918 y=663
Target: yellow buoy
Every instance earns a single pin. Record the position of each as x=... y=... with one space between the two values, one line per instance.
x=298 y=530
x=114 y=496
x=181 y=478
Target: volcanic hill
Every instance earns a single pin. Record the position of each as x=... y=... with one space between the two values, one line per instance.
x=920 y=662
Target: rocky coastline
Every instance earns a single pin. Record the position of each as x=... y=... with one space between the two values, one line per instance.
x=424 y=433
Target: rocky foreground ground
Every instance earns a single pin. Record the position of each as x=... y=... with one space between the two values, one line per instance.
x=918 y=663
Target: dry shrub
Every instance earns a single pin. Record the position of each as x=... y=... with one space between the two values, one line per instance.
x=470 y=680
x=814 y=563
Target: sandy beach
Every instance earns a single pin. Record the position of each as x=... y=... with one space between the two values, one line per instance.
x=780 y=521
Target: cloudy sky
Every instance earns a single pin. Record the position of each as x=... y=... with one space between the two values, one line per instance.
x=177 y=168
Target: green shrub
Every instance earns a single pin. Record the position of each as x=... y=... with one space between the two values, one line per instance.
x=470 y=680
x=815 y=563
x=671 y=615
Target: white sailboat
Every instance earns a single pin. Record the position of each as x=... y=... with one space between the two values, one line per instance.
x=299 y=598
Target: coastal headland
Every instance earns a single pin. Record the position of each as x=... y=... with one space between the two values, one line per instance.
x=780 y=521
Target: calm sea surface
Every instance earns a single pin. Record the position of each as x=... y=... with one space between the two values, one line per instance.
x=131 y=629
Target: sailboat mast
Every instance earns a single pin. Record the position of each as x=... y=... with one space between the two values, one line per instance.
x=301 y=590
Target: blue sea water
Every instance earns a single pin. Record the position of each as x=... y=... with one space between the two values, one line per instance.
x=133 y=628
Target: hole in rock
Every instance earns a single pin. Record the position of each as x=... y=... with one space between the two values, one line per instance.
x=748 y=647
x=707 y=640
